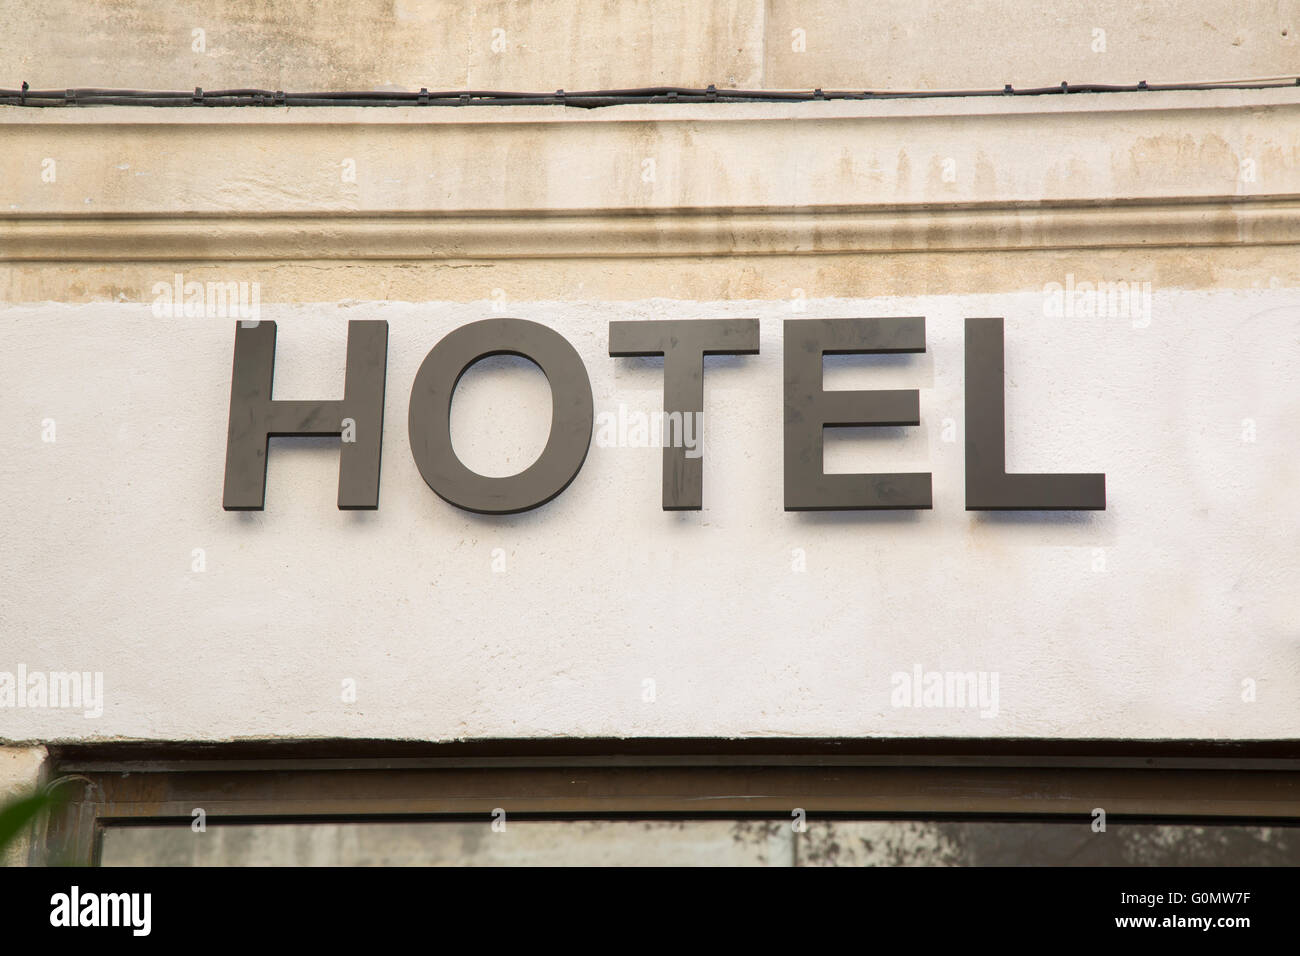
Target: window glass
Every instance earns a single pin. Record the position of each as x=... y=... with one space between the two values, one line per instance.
x=726 y=842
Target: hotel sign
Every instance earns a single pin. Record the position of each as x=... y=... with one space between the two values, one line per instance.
x=358 y=418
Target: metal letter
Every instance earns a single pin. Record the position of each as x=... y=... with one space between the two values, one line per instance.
x=988 y=486
x=255 y=419
x=429 y=420
x=809 y=410
x=683 y=344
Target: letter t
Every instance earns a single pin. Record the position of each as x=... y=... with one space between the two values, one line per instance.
x=683 y=343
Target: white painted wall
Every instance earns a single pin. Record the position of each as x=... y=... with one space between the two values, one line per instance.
x=1142 y=621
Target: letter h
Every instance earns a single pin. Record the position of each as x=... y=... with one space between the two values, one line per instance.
x=255 y=419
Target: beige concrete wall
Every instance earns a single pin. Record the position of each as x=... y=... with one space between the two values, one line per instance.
x=575 y=44
x=938 y=44
x=823 y=157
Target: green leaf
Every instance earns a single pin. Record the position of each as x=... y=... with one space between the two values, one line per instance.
x=18 y=814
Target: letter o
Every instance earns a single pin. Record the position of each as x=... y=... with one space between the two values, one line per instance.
x=429 y=419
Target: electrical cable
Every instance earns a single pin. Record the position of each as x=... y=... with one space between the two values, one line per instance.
x=589 y=99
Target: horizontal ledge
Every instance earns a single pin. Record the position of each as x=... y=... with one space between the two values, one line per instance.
x=492 y=235
x=1239 y=753
x=620 y=234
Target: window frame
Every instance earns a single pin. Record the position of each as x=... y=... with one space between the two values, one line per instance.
x=1243 y=782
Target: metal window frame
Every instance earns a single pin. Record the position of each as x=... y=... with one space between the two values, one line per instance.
x=124 y=784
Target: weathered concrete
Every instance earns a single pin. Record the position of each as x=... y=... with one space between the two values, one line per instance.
x=933 y=44
x=832 y=199
x=589 y=44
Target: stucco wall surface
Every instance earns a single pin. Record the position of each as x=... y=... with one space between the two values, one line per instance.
x=544 y=45
x=1171 y=614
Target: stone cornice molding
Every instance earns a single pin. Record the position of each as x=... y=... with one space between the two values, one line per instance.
x=1119 y=171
